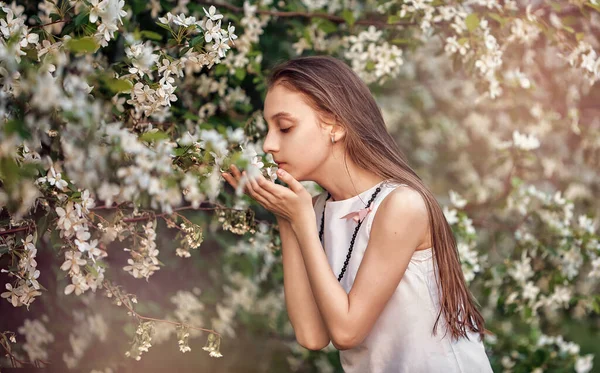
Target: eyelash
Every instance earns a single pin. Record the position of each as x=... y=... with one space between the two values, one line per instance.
x=285 y=130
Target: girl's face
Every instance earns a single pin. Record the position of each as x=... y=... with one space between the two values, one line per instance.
x=294 y=135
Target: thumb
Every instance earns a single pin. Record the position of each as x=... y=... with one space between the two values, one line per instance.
x=294 y=184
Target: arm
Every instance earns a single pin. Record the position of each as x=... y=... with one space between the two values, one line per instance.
x=399 y=226
x=302 y=311
x=299 y=300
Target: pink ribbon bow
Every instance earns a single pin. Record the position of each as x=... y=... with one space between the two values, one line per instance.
x=358 y=215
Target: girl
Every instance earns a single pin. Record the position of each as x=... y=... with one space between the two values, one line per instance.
x=378 y=275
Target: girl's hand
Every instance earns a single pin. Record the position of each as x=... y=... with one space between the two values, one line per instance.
x=234 y=178
x=289 y=203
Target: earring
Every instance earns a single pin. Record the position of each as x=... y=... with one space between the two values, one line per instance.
x=332 y=139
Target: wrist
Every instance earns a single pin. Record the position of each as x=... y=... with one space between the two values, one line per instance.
x=282 y=222
x=303 y=221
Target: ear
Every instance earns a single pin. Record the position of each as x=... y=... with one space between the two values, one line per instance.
x=339 y=132
x=331 y=125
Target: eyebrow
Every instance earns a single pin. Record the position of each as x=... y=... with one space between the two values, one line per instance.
x=284 y=115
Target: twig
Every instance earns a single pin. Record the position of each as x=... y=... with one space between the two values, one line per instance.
x=330 y=17
x=14 y=360
x=107 y=285
x=14 y=230
x=51 y=23
x=190 y=207
x=147 y=217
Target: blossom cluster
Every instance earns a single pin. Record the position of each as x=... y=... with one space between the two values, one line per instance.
x=27 y=287
x=372 y=59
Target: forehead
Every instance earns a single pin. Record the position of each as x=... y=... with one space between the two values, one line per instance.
x=281 y=99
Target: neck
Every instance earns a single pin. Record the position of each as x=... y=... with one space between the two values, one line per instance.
x=344 y=187
x=341 y=197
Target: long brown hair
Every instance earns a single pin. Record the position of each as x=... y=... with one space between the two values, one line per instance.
x=333 y=89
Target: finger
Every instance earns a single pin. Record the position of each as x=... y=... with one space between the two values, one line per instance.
x=253 y=192
x=258 y=189
x=269 y=186
x=234 y=182
x=229 y=179
x=235 y=171
x=237 y=176
x=294 y=184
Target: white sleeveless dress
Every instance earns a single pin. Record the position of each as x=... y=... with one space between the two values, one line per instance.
x=401 y=339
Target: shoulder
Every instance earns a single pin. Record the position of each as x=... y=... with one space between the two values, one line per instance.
x=406 y=198
x=403 y=204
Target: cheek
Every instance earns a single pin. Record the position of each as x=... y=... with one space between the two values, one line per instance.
x=305 y=158
x=303 y=150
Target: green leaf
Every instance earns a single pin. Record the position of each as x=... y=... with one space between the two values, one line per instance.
x=55 y=17
x=393 y=19
x=220 y=69
x=42 y=225
x=166 y=27
x=462 y=41
x=180 y=151
x=118 y=85
x=183 y=51
x=568 y=28
x=17 y=126
x=151 y=35
x=306 y=34
x=81 y=18
x=9 y=170
x=129 y=329
x=240 y=73
x=498 y=18
x=556 y=6
x=68 y=29
x=596 y=306
x=138 y=6
x=36 y=18
x=153 y=136
x=579 y=36
x=190 y=116
x=55 y=239
x=593 y=6
x=327 y=26
x=472 y=21
x=403 y=41
x=348 y=16
x=83 y=45
x=196 y=40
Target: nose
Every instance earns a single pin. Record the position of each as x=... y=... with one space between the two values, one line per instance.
x=271 y=144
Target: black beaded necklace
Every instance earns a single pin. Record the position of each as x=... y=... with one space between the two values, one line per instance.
x=353 y=236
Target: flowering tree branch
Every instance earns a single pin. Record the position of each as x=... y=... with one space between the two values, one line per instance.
x=330 y=17
x=127 y=303
x=5 y=342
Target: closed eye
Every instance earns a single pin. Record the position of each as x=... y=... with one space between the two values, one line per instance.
x=286 y=130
